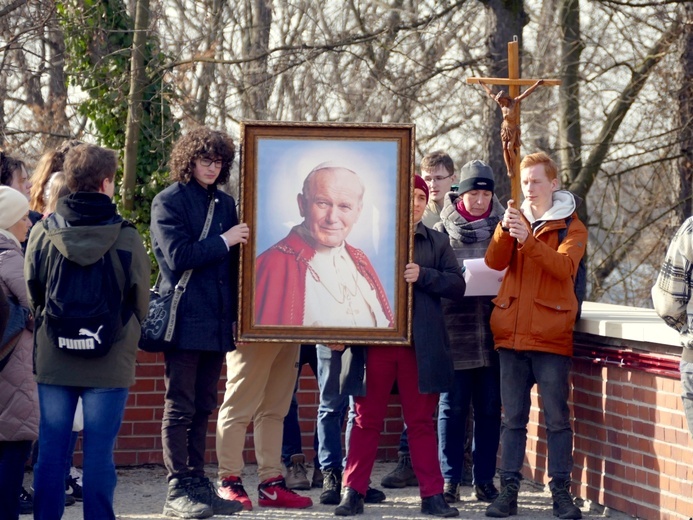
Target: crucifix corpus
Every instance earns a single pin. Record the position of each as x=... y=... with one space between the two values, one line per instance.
x=510 y=107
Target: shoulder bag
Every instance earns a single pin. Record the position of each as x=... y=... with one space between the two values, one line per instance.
x=159 y=326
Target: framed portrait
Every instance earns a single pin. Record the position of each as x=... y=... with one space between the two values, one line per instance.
x=329 y=211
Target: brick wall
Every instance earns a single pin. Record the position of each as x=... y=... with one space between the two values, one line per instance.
x=633 y=452
x=139 y=441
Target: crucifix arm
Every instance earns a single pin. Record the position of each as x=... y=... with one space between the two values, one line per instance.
x=529 y=90
x=488 y=90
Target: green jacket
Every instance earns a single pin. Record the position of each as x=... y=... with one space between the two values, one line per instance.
x=85 y=244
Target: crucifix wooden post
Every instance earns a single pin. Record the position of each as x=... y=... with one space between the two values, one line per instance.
x=510 y=105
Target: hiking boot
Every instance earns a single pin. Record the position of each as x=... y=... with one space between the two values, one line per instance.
x=374 y=496
x=205 y=492
x=318 y=478
x=274 y=493
x=26 y=503
x=436 y=505
x=331 y=486
x=73 y=489
x=451 y=492
x=506 y=503
x=232 y=490
x=181 y=502
x=486 y=492
x=563 y=505
x=296 y=473
x=402 y=476
x=351 y=503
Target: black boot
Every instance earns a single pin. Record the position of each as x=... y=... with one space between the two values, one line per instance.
x=351 y=504
x=204 y=491
x=437 y=506
x=506 y=503
x=374 y=496
x=402 y=476
x=486 y=492
x=563 y=505
x=331 y=486
x=181 y=501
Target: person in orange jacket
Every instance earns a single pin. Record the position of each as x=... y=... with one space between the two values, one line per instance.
x=532 y=324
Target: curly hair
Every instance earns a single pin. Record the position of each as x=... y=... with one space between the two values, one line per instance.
x=50 y=163
x=201 y=142
x=8 y=167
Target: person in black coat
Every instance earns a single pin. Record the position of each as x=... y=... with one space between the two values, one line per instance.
x=421 y=370
x=200 y=161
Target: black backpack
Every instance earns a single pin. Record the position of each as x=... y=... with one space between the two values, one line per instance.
x=83 y=313
x=580 y=281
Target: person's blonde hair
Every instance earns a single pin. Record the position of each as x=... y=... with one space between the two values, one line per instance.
x=50 y=162
x=57 y=188
x=541 y=158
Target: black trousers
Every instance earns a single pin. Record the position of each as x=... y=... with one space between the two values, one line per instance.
x=191 y=379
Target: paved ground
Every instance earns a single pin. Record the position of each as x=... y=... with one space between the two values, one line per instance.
x=141 y=491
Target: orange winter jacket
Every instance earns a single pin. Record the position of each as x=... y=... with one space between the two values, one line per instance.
x=536 y=305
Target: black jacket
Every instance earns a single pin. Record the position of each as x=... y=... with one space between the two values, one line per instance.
x=439 y=277
x=209 y=306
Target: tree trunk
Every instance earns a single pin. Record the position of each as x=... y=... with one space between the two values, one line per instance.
x=134 y=119
x=685 y=112
x=57 y=87
x=256 y=89
x=505 y=22
x=570 y=130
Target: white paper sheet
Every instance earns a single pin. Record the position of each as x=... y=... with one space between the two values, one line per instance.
x=481 y=279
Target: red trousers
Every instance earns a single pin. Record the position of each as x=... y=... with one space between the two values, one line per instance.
x=384 y=366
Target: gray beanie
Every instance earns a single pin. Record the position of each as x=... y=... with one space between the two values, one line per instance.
x=13 y=206
x=476 y=175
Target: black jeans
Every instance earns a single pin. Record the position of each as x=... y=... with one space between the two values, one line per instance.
x=13 y=455
x=191 y=379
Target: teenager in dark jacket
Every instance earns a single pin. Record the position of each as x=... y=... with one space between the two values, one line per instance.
x=469 y=217
x=200 y=162
x=422 y=372
x=84 y=228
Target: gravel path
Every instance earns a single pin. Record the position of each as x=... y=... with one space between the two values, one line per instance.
x=141 y=491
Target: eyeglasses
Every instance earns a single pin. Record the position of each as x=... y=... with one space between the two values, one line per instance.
x=437 y=178
x=208 y=162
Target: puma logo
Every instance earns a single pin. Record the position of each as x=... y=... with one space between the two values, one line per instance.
x=95 y=335
x=271 y=496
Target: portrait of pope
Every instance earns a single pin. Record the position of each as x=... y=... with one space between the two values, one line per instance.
x=314 y=276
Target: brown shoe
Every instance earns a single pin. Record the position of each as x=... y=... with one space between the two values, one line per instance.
x=296 y=473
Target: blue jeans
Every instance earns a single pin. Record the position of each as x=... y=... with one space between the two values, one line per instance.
x=103 y=414
x=481 y=387
x=291 y=438
x=331 y=410
x=686 y=370
x=520 y=371
x=13 y=455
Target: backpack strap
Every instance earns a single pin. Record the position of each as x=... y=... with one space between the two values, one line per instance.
x=562 y=233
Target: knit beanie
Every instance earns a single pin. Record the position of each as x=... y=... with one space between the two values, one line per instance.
x=421 y=184
x=476 y=175
x=13 y=206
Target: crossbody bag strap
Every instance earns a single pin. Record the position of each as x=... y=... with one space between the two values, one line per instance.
x=183 y=282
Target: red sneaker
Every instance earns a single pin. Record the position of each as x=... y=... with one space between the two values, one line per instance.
x=274 y=493
x=231 y=488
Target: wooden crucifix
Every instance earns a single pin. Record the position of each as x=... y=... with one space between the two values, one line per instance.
x=510 y=106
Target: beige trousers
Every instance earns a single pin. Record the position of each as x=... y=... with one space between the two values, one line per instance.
x=259 y=386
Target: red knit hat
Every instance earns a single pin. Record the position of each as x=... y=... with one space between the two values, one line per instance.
x=421 y=184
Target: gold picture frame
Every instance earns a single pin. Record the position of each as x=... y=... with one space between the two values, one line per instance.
x=329 y=211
